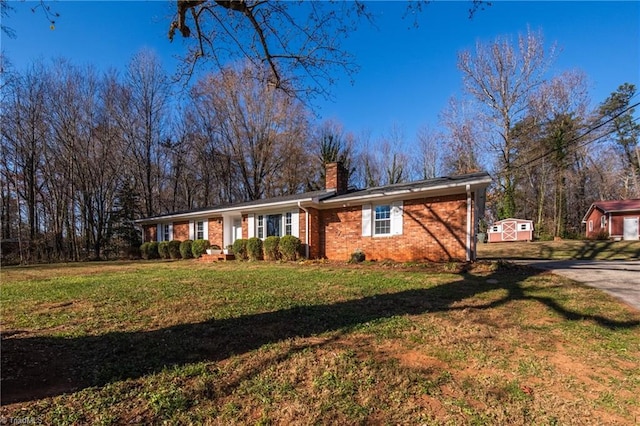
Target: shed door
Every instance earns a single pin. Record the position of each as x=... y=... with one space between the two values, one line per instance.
x=630 y=228
x=509 y=231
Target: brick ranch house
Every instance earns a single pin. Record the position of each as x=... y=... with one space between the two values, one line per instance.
x=618 y=218
x=434 y=219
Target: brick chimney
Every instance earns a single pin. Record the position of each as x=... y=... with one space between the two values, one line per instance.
x=336 y=177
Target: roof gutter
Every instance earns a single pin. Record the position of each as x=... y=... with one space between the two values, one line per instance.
x=404 y=192
x=223 y=210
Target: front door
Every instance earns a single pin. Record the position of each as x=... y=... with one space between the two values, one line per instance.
x=630 y=227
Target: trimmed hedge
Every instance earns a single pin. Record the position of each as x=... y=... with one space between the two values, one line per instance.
x=289 y=247
x=174 y=249
x=270 y=248
x=144 y=250
x=254 y=248
x=153 y=250
x=149 y=250
x=240 y=249
x=163 y=249
x=198 y=247
x=185 y=249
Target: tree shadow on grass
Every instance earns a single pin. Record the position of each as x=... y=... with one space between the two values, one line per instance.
x=37 y=367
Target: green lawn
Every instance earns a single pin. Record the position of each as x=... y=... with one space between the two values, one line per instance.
x=307 y=343
x=559 y=250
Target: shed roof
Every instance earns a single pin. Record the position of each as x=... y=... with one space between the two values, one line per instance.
x=618 y=205
x=510 y=219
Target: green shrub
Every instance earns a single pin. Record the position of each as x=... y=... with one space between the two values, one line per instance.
x=254 y=248
x=289 y=247
x=153 y=250
x=163 y=249
x=270 y=248
x=174 y=249
x=240 y=249
x=144 y=250
x=185 y=249
x=602 y=235
x=198 y=247
x=357 y=256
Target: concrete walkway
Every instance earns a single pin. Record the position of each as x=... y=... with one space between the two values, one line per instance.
x=619 y=278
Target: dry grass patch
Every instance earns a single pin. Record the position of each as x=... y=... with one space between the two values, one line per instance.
x=559 y=250
x=262 y=343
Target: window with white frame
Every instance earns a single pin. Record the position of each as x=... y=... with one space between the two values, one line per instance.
x=382 y=220
x=277 y=225
x=590 y=226
x=288 y=223
x=260 y=227
x=166 y=232
x=524 y=227
x=496 y=228
x=603 y=222
x=274 y=225
x=200 y=230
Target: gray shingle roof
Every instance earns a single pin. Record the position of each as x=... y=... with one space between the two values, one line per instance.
x=329 y=195
x=421 y=185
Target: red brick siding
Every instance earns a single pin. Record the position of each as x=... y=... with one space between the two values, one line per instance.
x=181 y=230
x=245 y=226
x=315 y=235
x=433 y=229
x=150 y=233
x=216 y=235
x=336 y=177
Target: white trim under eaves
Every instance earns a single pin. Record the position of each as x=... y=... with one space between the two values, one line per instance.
x=407 y=194
x=252 y=208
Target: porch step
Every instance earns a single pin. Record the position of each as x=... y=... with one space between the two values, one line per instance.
x=216 y=257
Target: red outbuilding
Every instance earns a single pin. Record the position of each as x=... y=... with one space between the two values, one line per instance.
x=510 y=230
x=615 y=219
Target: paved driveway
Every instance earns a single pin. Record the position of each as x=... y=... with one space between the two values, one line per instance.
x=619 y=278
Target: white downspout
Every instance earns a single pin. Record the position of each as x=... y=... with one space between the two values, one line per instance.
x=306 y=230
x=469 y=224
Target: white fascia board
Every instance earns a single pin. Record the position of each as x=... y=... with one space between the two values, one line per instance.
x=204 y=214
x=407 y=194
x=266 y=206
x=586 y=216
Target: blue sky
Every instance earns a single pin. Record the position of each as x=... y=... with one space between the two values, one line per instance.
x=407 y=74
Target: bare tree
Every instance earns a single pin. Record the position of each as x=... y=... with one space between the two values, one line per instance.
x=427 y=157
x=332 y=145
x=142 y=116
x=254 y=129
x=24 y=134
x=560 y=106
x=501 y=76
x=299 y=42
x=626 y=132
x=462 y=138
